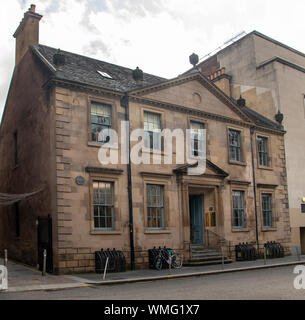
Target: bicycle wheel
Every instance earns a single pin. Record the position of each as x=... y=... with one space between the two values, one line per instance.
x=158 y=263
x=176 y=261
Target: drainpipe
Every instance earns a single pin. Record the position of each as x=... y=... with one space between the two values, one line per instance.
x=125 y=104
x=254 y=186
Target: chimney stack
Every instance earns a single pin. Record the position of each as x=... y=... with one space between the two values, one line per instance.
x=27 y=34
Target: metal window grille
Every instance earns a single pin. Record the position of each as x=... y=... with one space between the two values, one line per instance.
x=155 y=206
x=103 y=204
x=101 y=119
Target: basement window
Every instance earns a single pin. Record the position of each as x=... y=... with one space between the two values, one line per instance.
x=104 y=74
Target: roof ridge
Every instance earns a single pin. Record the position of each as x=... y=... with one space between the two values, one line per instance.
x=263 y=118
x=96 y=60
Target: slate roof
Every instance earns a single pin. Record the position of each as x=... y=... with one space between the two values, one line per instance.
x=83 y=70
x=259 y=119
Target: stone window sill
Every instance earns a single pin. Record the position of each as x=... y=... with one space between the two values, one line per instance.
x=155 y=151
x=105 y=232
x=99 y=145
x=238 y=163
x=240 y=230
x=149 y=231
x=268 y=229
x=265 y=168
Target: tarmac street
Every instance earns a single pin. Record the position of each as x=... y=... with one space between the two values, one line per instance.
x=273 y=279
x=262 y=284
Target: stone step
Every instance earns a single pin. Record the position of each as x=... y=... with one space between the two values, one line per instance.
x=208 y=258
x=204 y=251
x=205 y=263
x=204 y=255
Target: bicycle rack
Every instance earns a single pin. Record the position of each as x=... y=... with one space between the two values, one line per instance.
x=116 y=261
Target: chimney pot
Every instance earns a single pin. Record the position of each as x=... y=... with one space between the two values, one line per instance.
x=137 y=75
x=241 y=102
x=279 y=117
x=33 y=8
x=194 y=59
x=59 y=59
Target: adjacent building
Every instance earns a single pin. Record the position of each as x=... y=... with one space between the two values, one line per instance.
x=270 y=76
x=57 y=104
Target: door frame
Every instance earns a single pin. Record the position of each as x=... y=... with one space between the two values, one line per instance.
x=202 y=237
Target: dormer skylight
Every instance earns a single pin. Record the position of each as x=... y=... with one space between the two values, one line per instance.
x=104 y=74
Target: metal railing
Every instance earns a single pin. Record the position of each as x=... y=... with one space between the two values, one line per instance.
x=219 y=243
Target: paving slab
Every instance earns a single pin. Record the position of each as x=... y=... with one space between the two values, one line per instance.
x=25 y=278
x=151 y=275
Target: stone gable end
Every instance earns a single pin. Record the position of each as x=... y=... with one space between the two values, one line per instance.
x=195 y=96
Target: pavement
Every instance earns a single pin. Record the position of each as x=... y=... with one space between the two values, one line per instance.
x=22 y=278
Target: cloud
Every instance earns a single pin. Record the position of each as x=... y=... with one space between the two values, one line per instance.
x=97 y=47
x=156 y=35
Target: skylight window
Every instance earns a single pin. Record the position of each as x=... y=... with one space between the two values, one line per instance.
x=104 y=74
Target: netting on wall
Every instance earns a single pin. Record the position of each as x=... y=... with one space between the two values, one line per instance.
x=8 y=199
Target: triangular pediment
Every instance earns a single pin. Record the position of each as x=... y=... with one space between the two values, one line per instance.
x=211 y=169
x=195 y=92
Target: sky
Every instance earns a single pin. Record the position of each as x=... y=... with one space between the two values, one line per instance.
x=156 y=35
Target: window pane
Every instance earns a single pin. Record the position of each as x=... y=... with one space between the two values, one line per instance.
x=152 y=128
x=235 y=145
x=238 y=209
x=101 y=119
x=262 y=143
x=155 y=206
x=103 y=204
x=267 y=210
x=197 y=138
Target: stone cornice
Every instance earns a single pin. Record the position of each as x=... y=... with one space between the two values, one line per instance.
x=104 y=170
x=282 y=61
x=238 y=182
x=100 y=91
x=156 y=174
x=205 y=82
x=196 y=112
x=73 y=85
x=266 y=185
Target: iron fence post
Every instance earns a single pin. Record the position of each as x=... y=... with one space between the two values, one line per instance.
x=105 y=270
x=44 y=266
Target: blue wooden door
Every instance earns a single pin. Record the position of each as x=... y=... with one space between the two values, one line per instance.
x=196 y=219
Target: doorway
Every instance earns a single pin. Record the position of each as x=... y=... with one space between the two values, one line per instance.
x=196 y=219
x=302 y=236
x=44 y=234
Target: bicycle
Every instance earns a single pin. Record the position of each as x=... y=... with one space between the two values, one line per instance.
x=169 y=257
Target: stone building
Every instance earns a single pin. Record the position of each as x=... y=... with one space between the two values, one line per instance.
x=57 y=103
x=271 y=77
